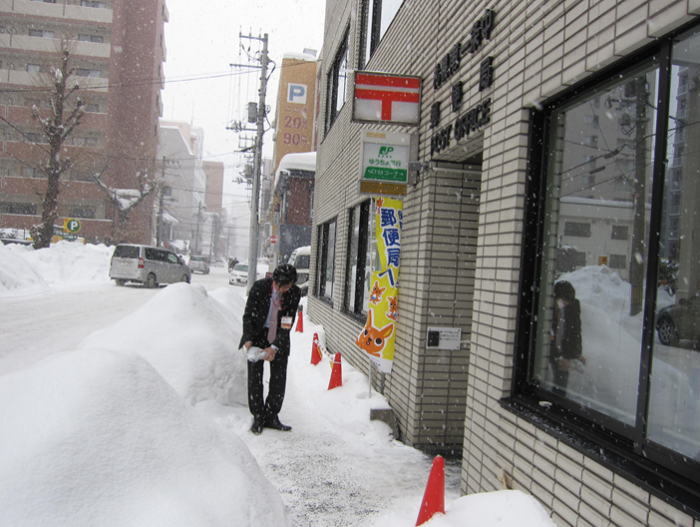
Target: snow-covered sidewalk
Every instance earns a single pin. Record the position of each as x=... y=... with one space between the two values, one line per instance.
x=336 y=467
x=144 y=422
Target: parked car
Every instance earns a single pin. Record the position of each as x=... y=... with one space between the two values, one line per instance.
x=7 y=241
x=679 y=321
x=147 y=265
x=301 y=260
x=239 y=274
x=199 y=264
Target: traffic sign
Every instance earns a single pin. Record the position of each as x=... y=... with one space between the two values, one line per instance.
x=71 y=225
x=273 y=239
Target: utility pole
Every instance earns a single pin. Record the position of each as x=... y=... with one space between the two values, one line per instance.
x=257 y=165
x=637 y=89
x=159 y=221
x=197 y=244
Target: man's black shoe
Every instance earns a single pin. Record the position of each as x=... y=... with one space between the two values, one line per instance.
x=275 y=424
x=257 y=427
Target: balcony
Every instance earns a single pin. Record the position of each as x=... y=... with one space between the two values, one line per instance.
x=24 y=78
x=57 y=10
x=25 y=43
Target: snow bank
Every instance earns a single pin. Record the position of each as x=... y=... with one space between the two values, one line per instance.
x=99 y=438
x=64 y=264
x=15 y=273
x=504 y=508
x=190 y=338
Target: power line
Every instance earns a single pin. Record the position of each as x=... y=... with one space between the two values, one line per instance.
x=148 y=82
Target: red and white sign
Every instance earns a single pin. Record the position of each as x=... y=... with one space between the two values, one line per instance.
x=387 y=98
x=273 y=239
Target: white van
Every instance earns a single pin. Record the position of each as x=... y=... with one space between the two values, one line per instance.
x=301 y=260
x=147 y=265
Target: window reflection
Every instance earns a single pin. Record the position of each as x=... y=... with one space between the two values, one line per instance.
x=354 y=229
x=596 y=228
x=674 y=410
x=330 y=260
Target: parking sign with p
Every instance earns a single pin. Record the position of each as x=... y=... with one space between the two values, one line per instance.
x=296 y=93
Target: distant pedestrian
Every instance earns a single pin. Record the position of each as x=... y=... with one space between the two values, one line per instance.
x=566 y=348
x=267 y=321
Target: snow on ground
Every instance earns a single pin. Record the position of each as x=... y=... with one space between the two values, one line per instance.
x=145 y=423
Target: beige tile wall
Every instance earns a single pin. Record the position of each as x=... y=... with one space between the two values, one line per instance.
x=462 y=238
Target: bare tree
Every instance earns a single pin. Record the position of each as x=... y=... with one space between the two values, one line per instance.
x=57 y=127
x=126 y=200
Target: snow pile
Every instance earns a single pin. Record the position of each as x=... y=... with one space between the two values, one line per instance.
x=15 y=272
x=99 y=438
x=504 y=508
x=22 y=268
x=189 y=338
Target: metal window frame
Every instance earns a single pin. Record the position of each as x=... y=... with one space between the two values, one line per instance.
x=333 y=80
x=623 y=449
x=323 y=258
x=359 y=258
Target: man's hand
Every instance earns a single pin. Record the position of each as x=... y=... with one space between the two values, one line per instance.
x=248 y=344
x=270 y=353
x=563 y=364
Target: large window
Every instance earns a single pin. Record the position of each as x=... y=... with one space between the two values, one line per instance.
x=613 y=347
x=325 y=265
x=337 y=82
x=362 y=258
x=377 y=15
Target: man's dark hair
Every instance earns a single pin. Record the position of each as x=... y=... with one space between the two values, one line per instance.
x=564 y=290
x=285 y=274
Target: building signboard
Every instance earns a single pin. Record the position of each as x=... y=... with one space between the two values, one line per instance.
x=384 y=98
x=295 y=107
x=474 y=119
x=384 y=162
x=378 y=337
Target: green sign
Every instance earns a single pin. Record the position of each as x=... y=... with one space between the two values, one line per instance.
x=386 y=174
x=385 y=156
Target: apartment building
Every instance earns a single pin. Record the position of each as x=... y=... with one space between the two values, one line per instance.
x=117 y=49
x=184 y=193
x=523 y=131
x=214 y=192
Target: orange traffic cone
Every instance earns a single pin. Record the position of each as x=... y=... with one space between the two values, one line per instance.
x=315 y=351
x=300 y=321
x=434 y=497
x=336 y=373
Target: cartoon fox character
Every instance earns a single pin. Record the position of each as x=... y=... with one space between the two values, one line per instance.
x=372 y=339
x=376 y=295
x=393 y=305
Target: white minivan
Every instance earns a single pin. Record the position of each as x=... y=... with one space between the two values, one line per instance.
x=301 y=260
x=147 y=265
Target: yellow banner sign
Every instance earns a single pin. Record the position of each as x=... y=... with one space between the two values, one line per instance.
x=378 y=337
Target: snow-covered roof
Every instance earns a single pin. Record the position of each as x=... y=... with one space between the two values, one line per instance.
x=301 y=161
x=300 y=56
x=169 y=218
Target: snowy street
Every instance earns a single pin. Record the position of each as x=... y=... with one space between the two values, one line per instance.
x=336 y=467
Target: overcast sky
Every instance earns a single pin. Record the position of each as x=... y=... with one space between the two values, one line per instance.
x=202 y=41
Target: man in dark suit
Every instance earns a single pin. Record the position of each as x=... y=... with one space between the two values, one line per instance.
x=566 y=346
x=267 y=321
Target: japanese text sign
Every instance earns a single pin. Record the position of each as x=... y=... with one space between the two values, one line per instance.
x=378 y=337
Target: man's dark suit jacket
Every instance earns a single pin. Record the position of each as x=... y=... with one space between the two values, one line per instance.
x=256 y=309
